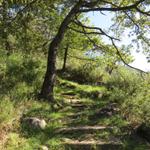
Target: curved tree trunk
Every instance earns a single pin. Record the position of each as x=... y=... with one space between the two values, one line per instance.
x=49 y=79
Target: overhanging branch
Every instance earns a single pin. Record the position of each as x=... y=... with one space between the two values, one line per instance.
x=82 y=32
x=138 y=28
x=114 y=9
x=119 y=54
x=101 y=32
x=143 y=12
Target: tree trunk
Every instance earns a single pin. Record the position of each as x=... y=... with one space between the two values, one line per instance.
x=65 y=58
x=49 y=79
x=5 y=26
x=48 y=84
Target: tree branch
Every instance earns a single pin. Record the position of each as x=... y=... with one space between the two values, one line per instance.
x=136 y=7
x=94 y=28
x=119 y=54
x=111 y=38
x=143 y=12
x=117 y=8
x=90 y=4
x=96 y=46
x=82 y=32
x=138 y=28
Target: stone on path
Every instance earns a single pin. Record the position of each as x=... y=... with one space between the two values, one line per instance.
x=34 y=122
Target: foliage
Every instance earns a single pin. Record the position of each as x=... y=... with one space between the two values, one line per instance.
x=26 y=29
x=21 y=74
x=131 y=90
x=136 y=107
x=21 y=102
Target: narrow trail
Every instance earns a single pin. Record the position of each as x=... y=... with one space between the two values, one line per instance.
x=85 y=118
x=81 y=135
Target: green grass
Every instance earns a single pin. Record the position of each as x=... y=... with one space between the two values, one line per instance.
x=59 y=119
x=18 y=100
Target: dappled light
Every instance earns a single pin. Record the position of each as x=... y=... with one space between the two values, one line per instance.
x=68 y=79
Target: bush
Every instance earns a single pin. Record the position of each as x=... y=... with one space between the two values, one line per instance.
x=136 y=108
x=21 y=75
x=87 y=73
x=132 y=92
x=23 y=68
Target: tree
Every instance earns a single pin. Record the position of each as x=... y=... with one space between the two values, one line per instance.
x=73 y=44
x=79 y=7
x=28 y=26
x=4 y=25
x=48 y=84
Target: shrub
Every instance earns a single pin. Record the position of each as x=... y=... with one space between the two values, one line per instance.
x=132 y=91
x=136 y=108
x=23 y=68
x=86 y=73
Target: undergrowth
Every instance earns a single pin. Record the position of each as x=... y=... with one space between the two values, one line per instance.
x=21 y=77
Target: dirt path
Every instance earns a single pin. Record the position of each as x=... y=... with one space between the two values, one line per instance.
x=81 y=136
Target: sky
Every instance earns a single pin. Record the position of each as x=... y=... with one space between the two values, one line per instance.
x=104 y=22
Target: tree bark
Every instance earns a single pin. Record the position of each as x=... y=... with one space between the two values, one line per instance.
x=49 y=79
x=65 y=58
x=5 y=26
